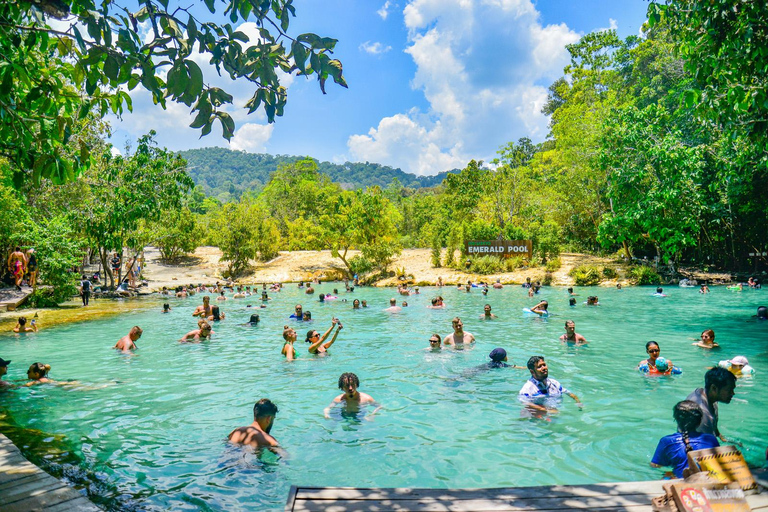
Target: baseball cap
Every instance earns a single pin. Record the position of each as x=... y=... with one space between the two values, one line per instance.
x=739 y=360
x=497 y=354
x=3 y=362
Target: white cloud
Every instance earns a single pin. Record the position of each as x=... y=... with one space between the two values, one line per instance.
x=115 y=151
x=384 y=11
x=612 y=25
x=374 y=48
x=483 y=66
x=252 y=137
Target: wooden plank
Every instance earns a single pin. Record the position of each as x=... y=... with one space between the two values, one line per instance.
x=35 y=488
x=464 y=506
x=80 y=504
x=23 y=480
x=42 y=500
x=291 y=499
x=15 y=474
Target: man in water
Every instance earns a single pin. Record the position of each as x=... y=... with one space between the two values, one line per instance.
x=393 y=307
x=351 y=397
x=128 y=342
x=571 y=336
x=487 y=315
x=3 y=370
x=257 y=433
x=17 y=265
x=458 y=336
x=497 y=285
x=204 y=310
x=540 y=387
x=719 y=386
x=298 y=313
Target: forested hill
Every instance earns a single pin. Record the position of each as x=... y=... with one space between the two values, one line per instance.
x=226 y=174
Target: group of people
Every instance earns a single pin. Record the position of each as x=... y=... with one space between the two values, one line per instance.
x=23 y=265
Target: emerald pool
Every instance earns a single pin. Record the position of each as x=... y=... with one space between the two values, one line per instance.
x=151 y=427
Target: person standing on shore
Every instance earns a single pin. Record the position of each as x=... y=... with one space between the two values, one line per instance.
x=85 y=290
x=17 y=265
x=32 y=268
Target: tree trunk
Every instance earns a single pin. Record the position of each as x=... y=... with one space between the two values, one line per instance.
x=107 y=269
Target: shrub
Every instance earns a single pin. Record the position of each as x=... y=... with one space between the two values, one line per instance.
x=585 y=275
x=553 y=265
x=360 y=265
x=547 y=281
x=44 y=298
x=514 y=263
x=487 y=265
x=535 y=261
x=437 y=248
x=644 y=275
x=610 y=273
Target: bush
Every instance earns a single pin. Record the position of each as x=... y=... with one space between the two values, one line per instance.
x=644 y=275
x=535 y=261
x=610 y=273
x=553 y=265
x=45 y=298
x=514 y=263
x=487 y=265
x=585 y=275
x=547 y=281
x=437 y=248
x=360 y=265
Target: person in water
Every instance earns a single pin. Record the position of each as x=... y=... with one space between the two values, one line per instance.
x=498 y=359
x=254 y=321
x=656 y=365
x=128 y=342
x=356 y=304
x=571 y=336
x=719 y=386
x=205 y=309
x=203 y=332
x=435 y=343
x=351 y=399
x=707 y=340
x=593 y=301
x=298 y=313
x=393 y=307
x=739 y=366
x=487 y=315
x=540 y=387
x=216 y=314
x=257 y=434
x=458 y=336
x=673 y=450
x=289 y=335
x=541 y=308
x=318 y=345
x=166 y=308
x=704 y=289
x=21 y=325
x=762 y=313
x=3 y=370
x=38 y=374
x=659 y=292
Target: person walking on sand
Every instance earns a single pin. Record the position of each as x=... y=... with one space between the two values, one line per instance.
x=17 y=265
x=128 y=342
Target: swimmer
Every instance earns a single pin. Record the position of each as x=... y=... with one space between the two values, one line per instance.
x=497 y=285
x=540 y=387
x=356 y=304
x=197 y=335
x=307 y=316
x=309 y=290
x=21 y=325
x=298 y=313
x=571 y=301
x=499 y=359
x=404 y=304
x=618 y=286
x=541 y=308
x=762 y=313
x=221 y=297
x=322 y=297
x=289 y=351
x=254 y=321
x=704 y=289
x=435 y=343
x=166 y=308
x=673 y=450
x=351 y=398
x=593 y=301
x=739 y=366
x=458 y=336
x=204 y=310
x=487 y=315
x=317 y=345
x=3 y=370
x=264 y=296
x=571 y=336
x=257 y=434
x=393 y=307
x=570 y=292
x=128 y=342
x=365 y=304
x=659 y=292
x=707 y=340
x=38 y=374
x=216 y=314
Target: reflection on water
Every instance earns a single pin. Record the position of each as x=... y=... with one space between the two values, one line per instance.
x=148 y=431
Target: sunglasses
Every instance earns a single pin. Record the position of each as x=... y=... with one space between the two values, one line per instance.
x=653 y=350
x=434 y=341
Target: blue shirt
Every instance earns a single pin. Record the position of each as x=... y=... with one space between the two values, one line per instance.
x=671 y=450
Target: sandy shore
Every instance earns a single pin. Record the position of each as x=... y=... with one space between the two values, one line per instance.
x=205 y=266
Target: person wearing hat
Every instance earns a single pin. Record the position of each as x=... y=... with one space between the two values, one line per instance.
x=3 y=370
x=499 y=359
x=739 y=366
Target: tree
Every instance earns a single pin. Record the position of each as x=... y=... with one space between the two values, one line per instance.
x=53 y=79
x=175 y=234
x=234 y=229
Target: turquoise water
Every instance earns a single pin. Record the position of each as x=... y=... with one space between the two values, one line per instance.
x=152 y=427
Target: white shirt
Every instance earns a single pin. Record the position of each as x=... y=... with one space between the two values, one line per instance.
x=534 y=390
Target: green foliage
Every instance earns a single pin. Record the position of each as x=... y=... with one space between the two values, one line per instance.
x=487 y=265
x=610 y=273
x=234 y=229
x=513 y=263
x=585 y=275
x=437 y=249
x=546 y=237
x=53 y=79
x=175 y=234
x=360 y=265
x=304 y=235
x=553 y=265
x=643 y=275
x=268 y=240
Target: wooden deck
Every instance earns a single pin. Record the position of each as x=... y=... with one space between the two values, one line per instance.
x=26 y=488
x=11 y=298
x=612 y=497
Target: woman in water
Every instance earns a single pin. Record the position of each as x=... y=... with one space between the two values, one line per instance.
x=216 y=314
x=204 y=332
x=254 y=321
x=317 y=342
x=37 y=374
x=541 y=308
x=289 y=335
x=21 y=326
x=707 y=340
x=673 y=450
x=656 y=365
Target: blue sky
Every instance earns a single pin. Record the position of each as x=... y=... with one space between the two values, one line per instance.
x=432 y=83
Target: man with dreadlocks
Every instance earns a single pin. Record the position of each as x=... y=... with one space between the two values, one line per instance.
x=673 y=450
x=351 y=397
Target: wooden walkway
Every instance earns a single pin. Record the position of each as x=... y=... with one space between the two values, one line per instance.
x=615 y=497
x=26 y=488
x=11 y=298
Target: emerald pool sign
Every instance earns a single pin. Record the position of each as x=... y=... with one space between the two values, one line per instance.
x=504 y=248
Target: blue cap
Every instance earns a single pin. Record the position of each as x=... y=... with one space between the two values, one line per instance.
x=497 y=354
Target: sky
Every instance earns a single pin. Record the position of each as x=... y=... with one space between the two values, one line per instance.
x=432 y=83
